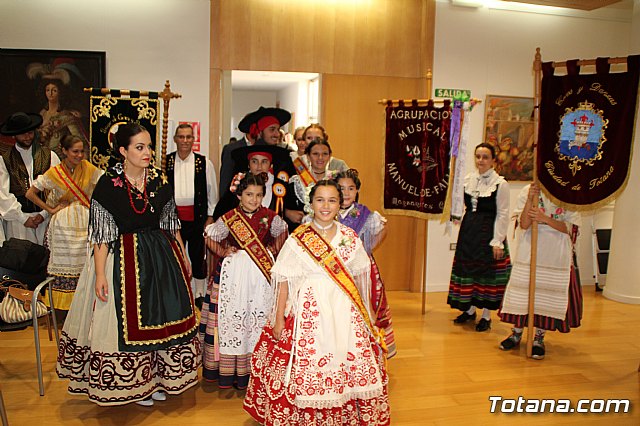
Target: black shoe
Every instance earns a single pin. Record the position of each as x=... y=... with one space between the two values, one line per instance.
x=537 y=352
x=198 y=302
x=464 y=317
x=483 y=325
x=511 y=341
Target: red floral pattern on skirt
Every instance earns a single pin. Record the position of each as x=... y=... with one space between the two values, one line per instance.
x=270 y=402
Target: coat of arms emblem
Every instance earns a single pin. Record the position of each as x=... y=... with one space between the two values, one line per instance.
x=581 y=136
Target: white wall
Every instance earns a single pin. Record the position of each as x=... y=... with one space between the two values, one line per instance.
x=491 y=52
x=294 y=98
x=146 y=42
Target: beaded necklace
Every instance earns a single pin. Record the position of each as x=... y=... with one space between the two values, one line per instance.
x=144 y=196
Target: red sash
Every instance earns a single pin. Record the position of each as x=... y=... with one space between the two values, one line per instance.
x=324 y=255
x=186 y=213
x=303 y=171
x=248 y=240
x=71 y=185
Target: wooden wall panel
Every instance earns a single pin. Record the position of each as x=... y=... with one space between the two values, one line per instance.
x=356 y=126
x=363 y=37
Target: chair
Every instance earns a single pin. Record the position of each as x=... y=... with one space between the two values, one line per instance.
x=34 y=321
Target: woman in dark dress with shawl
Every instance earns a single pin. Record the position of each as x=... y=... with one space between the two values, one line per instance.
x=481 y=265
x=131 y=332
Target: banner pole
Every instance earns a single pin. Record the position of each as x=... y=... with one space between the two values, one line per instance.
x=537 y=67
x=426 y=223
x=166 y=96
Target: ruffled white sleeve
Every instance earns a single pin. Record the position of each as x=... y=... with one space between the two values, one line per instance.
x=372 y=231
x=217 y=231
x=278 y=226
x=501 y=225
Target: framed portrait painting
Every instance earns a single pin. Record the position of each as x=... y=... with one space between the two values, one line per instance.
x=51 y=83
x=509 y=127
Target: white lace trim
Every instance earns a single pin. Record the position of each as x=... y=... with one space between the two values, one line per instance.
x=484 y=184
x=341 y=400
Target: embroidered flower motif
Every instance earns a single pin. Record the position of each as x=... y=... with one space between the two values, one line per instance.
x=346 y=241
x=117 y=182
x=264 y=222
x=355 y=212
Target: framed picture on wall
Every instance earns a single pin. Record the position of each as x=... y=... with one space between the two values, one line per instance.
x=51 y=83
x=509 y=127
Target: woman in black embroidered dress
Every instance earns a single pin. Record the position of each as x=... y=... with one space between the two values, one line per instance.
x=131 y=332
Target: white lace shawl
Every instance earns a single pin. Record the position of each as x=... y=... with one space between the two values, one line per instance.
x=293 y=265
x=485 y=185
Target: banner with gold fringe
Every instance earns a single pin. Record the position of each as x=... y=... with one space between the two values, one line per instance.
x=586 y=133
x=107 y=112
x=416 y=173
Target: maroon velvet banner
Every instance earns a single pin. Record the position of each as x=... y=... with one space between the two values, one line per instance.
x=586 y=133
x=416 y=159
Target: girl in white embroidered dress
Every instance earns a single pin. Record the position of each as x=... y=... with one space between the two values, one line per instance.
x=320 y=363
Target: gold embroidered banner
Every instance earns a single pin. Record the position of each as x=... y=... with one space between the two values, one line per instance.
x=108 y=112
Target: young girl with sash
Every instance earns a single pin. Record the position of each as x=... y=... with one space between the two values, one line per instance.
x=130 y=335
x=320 y=359
x=370 y=227
x=239 y=296
x=69 y=187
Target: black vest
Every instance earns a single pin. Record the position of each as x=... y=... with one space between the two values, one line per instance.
x=200 y=196
x=19 y=175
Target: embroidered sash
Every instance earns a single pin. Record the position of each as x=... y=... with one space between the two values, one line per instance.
x=248 y=240
x=64 y=178
x=324 y=255
x=304 y=172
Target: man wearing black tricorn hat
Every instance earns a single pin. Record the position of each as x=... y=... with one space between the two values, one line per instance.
x=19 y=167
x=263 y=127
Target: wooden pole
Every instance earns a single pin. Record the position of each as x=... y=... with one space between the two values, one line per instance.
x=106 y=91
x=585 y=62
x=426 y=222
x=537 y=67
x=395 y=102
x=166 y=96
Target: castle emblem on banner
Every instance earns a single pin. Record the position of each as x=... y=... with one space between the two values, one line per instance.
x=581 y=136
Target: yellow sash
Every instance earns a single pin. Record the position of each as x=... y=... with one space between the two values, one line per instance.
x=303 y=171
x=324 y=255
x=248 y=240
x=75 y=183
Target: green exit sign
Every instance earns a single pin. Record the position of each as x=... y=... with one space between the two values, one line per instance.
x=457 y=94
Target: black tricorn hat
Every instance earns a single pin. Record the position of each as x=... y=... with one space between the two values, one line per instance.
x=20 y=123
x=282 y=115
